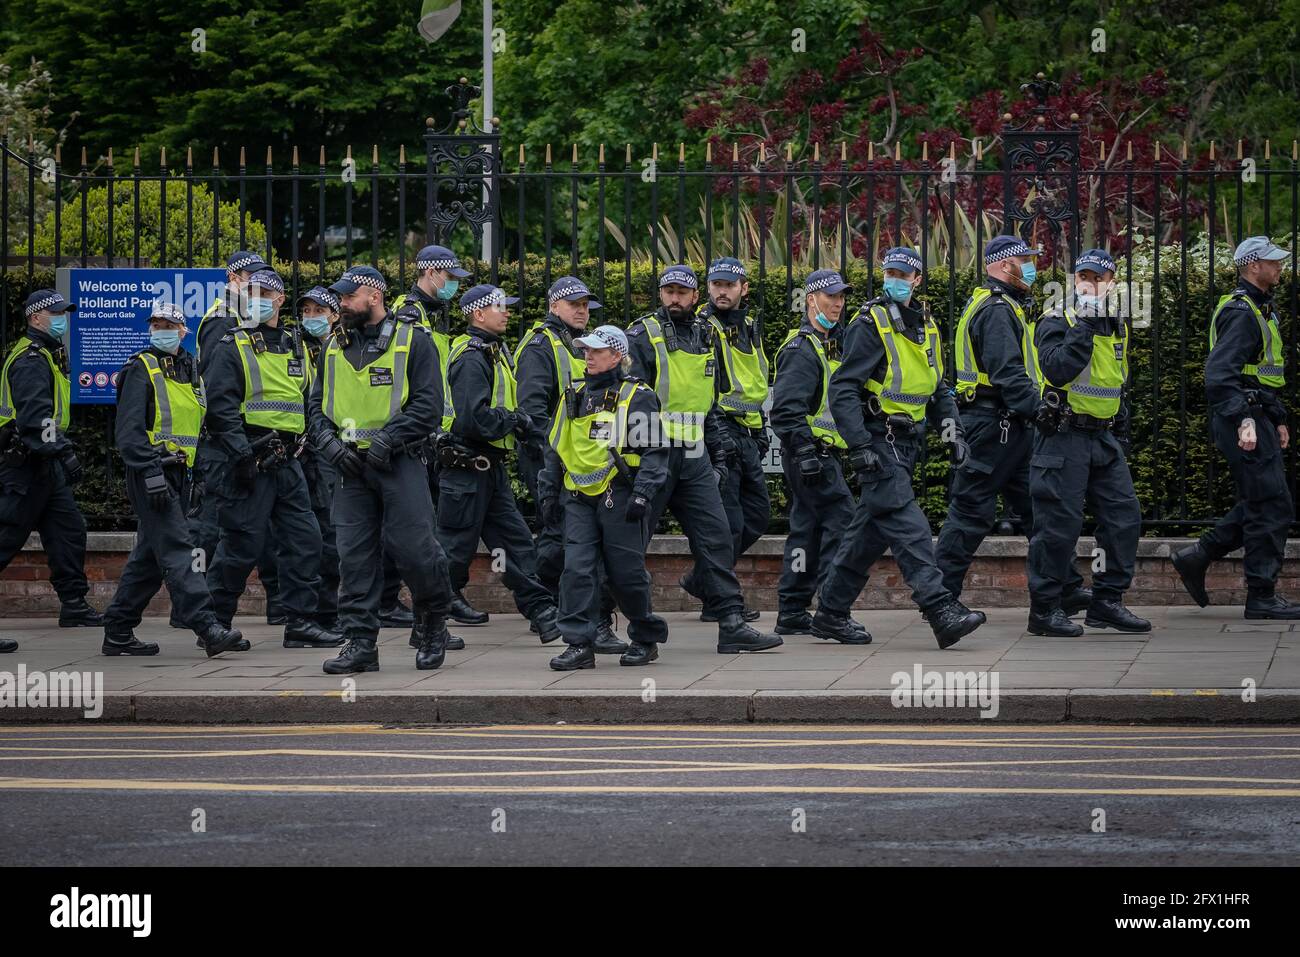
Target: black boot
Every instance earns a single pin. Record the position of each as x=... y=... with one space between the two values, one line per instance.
x=746 y=614
x=463 y=613
x=794 y=623
x=1052 y=622
x=78 y=614
x=275 y=614
x=1073 y=602
x=1270 y=606
x=952 y=621
x=839 y=628
x=639 y=654
x=7 y=645
x=734 y=636
x=243 y=644
x=545 y=622
x=1192 y=563
x=1111 y=613
x=359 y=654
x=399 y=616
x=305 y=633
x=450 y=642
x=216 y=638
x=574 y=658
x=126 y=643
x=433 y=641
x=607 y=641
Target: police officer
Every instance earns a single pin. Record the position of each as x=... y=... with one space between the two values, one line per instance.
x=437 y=279
x=999 y=400
x=1081 y=355
x=482 y=422
x=606 y=442
x=891 y=379
x=821 y=505
x=254 y=384
x=38 y=462
x=1248 y=422
x=159 y=413
x=673 y=350
x=548 y=364
x=227 y=311
x=742 y=382
x=372 y=409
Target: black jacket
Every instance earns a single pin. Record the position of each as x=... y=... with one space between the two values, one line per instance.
x=864 y=359
x=470 y=379
x=641 y=439
x=747 y=337
x=696 y=338
x=439 y=313
x=1237 y=344
x=135 y=408
x=32 y=390
x=421 y=415
x=539 y=380
x=797 y=391
x=996 y=336
x=1065 y=350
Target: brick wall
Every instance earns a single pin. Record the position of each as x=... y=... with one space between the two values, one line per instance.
x=997 y=579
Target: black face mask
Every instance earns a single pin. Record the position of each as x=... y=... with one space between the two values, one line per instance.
x=355 y=318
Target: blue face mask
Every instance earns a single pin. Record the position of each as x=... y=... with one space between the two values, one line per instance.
x=317 y=326
x=1028 y=272
x=165 y=340
x=1088 y=305
x=260 y=309
x=59 y=325
x=448 y=289
x=823 y=321
x=899 y=290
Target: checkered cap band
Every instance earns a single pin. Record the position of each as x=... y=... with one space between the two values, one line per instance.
x=735 y=268
x=817 y=285
x=679 y=277
x=437 y=264
x=40 y=304
x=1010 y=252
x=902 y=258
x=482 y=302
x=165 y=310
x=243 y=262
x=362 y=279
x=1246 y=259
x=267 y=280
x=1095 y=263
x=569 y=291
x=610 y=342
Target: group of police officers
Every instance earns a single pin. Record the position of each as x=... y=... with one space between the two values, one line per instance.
x=351 y=445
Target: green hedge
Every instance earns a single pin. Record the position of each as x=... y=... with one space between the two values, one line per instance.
x=1155 y=454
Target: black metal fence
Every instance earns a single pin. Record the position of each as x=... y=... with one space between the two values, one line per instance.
x=1170 y=218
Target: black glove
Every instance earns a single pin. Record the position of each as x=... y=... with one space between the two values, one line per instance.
x=864 y=461
x=762 y=441
x=245 y=473
x=551 y=512
x=811 y=468
x=637 y=506
x=960 y=450
x=379 y=456
x=521 y=424
x=721 y=471
x=72 y=469
x=159 y=492
x=1046 y=419
x=343 y=458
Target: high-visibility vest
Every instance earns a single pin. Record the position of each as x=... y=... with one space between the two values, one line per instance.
x=913 y=370
x=360 y=402
x=568 y=367
x=747 y=374
x=1269 y=369
x=527 y=338
x=62 y=385
x=684 y=383
x=273 y=383
x=212 y=311
x=586 y=444
x=1097 y=390
x=441 y=339
x=504 y=389
x=178 y=409
x=821 y=422
x=970 y=373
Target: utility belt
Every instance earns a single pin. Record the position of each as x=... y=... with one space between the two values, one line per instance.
x=1006 y=418
x=275 y=449
x=735 y=423
x=1058 y=416
x=173 y=460
x=897 y=424
x=454 y=453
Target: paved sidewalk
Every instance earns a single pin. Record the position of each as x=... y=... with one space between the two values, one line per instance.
x=1193 y=667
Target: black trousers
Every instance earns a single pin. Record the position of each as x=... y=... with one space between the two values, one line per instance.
x=36 y=497
x=321 y=479
x=744 y=493
x=887 y=517
x=163 y=552
x=387 y=511
x=819 y=515
x=481 y=505
x=205 y=530
x=1264 y=510
x=998 y=465
x=601 y=544
x=692 y=493
x=278 y=511
x=1068 y=470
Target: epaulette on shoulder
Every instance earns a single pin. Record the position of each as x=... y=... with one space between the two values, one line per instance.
x=473 y=342
x=228 y=337
x=407 y=312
